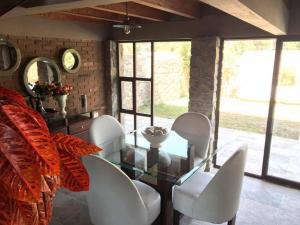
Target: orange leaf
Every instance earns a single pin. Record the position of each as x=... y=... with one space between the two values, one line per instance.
x=12 y=95
x=19 y=171
x=74 y=145
x=73 y=174
x=36 y=137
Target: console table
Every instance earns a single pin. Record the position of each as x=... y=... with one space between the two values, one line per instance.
x=76 y=125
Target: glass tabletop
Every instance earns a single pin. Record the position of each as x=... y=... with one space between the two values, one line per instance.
x=170 y=162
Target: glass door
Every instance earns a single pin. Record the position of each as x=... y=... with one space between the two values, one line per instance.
x=247 y=70
x=284 y=155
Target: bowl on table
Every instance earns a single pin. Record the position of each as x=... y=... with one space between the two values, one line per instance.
x=155 y=135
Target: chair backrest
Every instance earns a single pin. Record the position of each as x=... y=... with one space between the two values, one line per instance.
x=113 y=199
x=103 y=129
x=196 y=128
x=220 y=199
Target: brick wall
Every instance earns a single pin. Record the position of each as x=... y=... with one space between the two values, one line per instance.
x=89 y=80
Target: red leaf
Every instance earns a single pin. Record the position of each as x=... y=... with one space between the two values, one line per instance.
x=7 y=210
x=19 y=171
x=45 y=207
x=39 y=119
x=73 y=145
x=36 y=137
x=12 y=95
x=29 y=213
x=73 y=174
x=51 y=184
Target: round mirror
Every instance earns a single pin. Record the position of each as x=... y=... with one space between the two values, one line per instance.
x=10 y=57
x=42 y=70
x=71 y=60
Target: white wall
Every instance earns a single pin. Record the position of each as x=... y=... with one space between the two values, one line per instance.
x=43 y=27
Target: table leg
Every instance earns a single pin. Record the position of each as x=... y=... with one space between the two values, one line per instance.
x=165 y=189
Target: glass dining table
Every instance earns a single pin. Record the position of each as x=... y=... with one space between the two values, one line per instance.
x=172 y=162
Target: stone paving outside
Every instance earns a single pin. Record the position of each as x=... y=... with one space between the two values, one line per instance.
x=284 y=157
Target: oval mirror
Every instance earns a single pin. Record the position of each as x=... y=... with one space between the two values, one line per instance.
x=42 y=70
x=10 y=57
x=71 y=60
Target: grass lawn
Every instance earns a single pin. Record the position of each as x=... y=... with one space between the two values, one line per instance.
x=282 y=128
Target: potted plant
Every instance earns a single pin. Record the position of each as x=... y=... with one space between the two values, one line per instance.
x=34 y=164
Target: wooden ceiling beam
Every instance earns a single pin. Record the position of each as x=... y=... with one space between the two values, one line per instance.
x=6 y=6
x=188 y=9
x=268 y=15
x=135 y=10
x=95 y=14
x=71 y=17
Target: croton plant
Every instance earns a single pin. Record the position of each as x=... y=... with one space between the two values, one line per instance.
x=34 y=164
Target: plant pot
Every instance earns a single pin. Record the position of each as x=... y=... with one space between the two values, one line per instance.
x=62 y=102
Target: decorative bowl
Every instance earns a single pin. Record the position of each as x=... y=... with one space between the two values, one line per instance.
x=155 y=135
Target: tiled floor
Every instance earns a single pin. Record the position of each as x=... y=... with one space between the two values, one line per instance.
x=262 y=203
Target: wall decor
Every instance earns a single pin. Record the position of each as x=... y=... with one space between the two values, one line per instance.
x=40 y=70
x=71 y=60
x=10 y=57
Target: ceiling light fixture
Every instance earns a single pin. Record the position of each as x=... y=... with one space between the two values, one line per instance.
x=127 y=25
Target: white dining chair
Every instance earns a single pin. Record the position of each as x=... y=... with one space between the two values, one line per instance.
x=103 y=129
x=196 y=128
x=114 y=199
x=213 y=199
x=106 y=132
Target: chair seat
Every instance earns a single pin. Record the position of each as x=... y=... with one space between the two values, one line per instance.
x=185 y=194
x=151 y=199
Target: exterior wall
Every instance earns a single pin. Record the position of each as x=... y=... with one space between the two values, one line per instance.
x=204 y=79
x=89 y=80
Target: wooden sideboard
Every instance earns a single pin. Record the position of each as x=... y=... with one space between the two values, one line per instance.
x=76 y=125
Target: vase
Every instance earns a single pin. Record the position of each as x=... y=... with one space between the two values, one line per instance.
x=62 y=102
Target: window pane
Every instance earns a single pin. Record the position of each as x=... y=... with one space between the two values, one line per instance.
x=143 y=59
x=143 y=96
x=246 y=88
x=126 y=91
x=127 y=121
x=143 y=122
x=126 y=59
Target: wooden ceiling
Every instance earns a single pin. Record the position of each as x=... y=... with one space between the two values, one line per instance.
x=140 y=11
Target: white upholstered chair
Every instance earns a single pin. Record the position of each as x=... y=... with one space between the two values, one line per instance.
x=196 y=128
x=114 y=199
x=103 y=129
x=209 y=198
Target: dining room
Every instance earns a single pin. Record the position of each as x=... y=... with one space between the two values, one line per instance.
x=148 y=112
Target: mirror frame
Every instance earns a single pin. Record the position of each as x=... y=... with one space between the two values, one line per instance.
x=77 y=60
x=50 y=62
x=18 y=59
